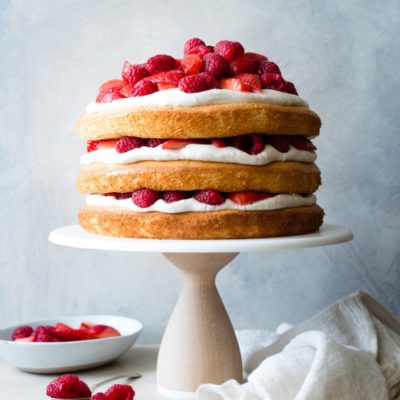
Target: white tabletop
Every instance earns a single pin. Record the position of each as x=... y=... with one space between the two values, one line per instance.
x=75 y=236
x=19 y=385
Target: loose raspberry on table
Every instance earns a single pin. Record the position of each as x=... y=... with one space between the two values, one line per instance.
x=132 y=74
x=155 y=142
x=216 y=65
x=144 y=198
x=160 y=63
x=99 y=396
x=22 y=332
x=120 y=392
x=209 y=196
x=229 y=50
x=279 y=142
x=191 y=45
x=171 y=196
x=127 y=143
x=246 y=63
x=143 y=88
x=250 y=144
x=68 y=387
x=269 y=66
x=197 y=83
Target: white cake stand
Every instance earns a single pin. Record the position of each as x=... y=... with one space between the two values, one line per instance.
x=199 y=344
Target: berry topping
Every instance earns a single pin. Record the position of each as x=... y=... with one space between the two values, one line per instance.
x=216 y=64
x=122 y=196
x=246 y=63
x=229 y=50
x=65 y=333
x=288 y=87
x=172 y=77
x=250 y=144
x=248 y=197
x=93 y=145
x=271 y=80
x=155 y=142
x=120 y=392
x=171 y=196
x=235 y=84
x=143 y=88
x=252 y=80
x=22 y=332
x=109 y=95
x=132 y=74
x=113 y=84
x=269 y=66
x=302 y=143
x=99 y=396
x=279 y=142
x=209 y=196
x=191 y=46
x=159 y=63
x=68 y=387
x=197 y=83
x=144 y=198
x=191 y=64
x=217 y=142
x=127 y=143
x=175 y=144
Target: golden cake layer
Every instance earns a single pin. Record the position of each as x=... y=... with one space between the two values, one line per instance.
x=222 y=120
x=228 y=224
x=277 y=177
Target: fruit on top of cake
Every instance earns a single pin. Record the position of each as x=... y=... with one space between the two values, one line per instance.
x=224 y=66
x=68 y=386
x=252 y=143
x=63 y=333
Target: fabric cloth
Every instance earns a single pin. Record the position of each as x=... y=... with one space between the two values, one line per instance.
x=349 y=351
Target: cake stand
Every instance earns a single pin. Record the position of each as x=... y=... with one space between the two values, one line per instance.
x=199 y=344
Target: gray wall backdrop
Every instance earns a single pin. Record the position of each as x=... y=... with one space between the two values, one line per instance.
x=344 y=59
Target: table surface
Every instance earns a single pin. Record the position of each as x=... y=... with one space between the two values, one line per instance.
x=19 y=385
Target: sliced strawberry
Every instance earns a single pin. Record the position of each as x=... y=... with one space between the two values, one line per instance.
x=109 y=95
x=220 y=142
x=65 y=333
x=250 y=79
x=191 y=64
x=172 y=76
x=26 y=339
x=246 y=63
x=165 y=86
x=113 y=83
x=86 y=325
x=234 y=84
x=93 y=145
x=175 y=144
x=126 y=90
x=302 y=143
x=248 y=197
x=279 y=142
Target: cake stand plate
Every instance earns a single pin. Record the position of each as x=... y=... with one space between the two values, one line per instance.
x=199 y=344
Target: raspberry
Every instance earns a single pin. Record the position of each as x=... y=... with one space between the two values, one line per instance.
x=45 y=338
x=159 y=63
x=155 y=142
x=209 y=196
x=247 y=63
x=279 y=142
x=171 y=196
x=123 y=196
x=271 y=80
x=68 y=387
x=220 y=142
x=133 y=73
x=127 y=143
x=143 y=88
x=197 y=83
x=120 y=392
x=173 y=77
x=109 y=95
x=202 y=50
x=229 y=50
x=191 y=45
x=269 y=66
x=216 y=65
x=250 y=79
x=191 y=64
x=99 y=396
x=145 y=197
x=302 y=143
x=250 y=144
x=22 y=332
x=44 y=333
x=288 y=87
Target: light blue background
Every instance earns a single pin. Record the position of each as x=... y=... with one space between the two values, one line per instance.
x=344 y=59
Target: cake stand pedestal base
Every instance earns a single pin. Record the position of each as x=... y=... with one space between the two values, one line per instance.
x=199 y=344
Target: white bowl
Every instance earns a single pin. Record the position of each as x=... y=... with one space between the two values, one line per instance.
x=70 y=356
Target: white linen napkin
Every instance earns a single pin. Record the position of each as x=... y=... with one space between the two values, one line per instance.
x=349 y=351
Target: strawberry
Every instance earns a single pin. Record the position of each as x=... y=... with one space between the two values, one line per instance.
x=250 y=144
x=250 y=79
x=166 y=86
x=229 y=50
x=235 y=84
x=175 y=144
x=220 y=142
x=246 y=63
x=113 y=83
x=173 y=77
x=191 y=64
x=65 y=333
x=302 y=143
x=93 y=145
x=248 y=197
x=126 y=90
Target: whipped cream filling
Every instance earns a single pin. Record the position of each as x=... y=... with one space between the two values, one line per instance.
x=192 y=205
x=177 y=98
x=197 y=152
